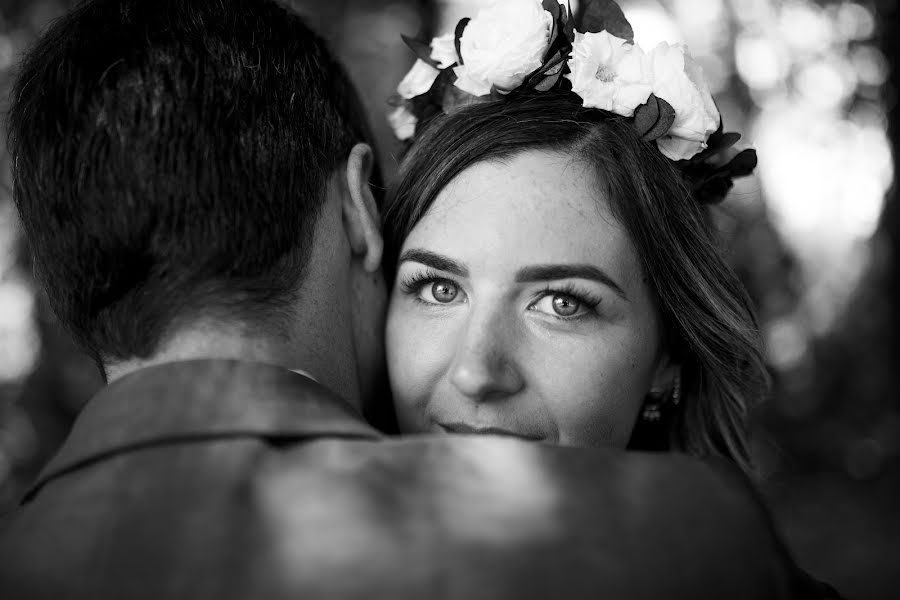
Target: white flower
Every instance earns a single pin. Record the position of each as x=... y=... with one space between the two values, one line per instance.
x=403 y=122
x=678 y=80
x=609 y=73
x=502 y=45
x=443 y=50
x=418 y=81
x=421 y=77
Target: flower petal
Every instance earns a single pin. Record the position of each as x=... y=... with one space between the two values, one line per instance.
x=505 y=43
x=418 y=81
x=629 y=97
x=403 y=122
x=443 y=50
x=679 y=80
x=676 y=148
x=469 y=84
x=609 y=73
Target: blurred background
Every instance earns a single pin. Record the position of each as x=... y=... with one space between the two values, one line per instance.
x=815 y=235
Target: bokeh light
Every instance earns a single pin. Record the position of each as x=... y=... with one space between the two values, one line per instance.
x=805 y=28
x=19 y=340
x=652 y=23
x=852 y=21
x=761 y=61
x=825 y=177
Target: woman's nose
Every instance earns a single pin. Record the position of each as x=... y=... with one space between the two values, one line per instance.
x=484 y=366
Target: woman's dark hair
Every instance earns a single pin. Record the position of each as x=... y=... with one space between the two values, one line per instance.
x=709 y=326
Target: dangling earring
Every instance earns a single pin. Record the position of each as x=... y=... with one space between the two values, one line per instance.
x=653 y=406
x=656 y=399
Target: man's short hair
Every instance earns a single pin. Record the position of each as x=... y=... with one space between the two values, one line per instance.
x=172 y=157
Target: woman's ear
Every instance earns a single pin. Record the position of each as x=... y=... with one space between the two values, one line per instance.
x=360 y=213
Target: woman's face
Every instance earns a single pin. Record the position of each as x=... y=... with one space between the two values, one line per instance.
x=520 y=308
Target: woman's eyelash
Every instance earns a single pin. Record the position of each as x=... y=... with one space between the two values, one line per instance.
x=414 y=282
x=584 y=297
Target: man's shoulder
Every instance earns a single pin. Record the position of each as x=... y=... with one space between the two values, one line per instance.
x=409 y=517
x=487 y=512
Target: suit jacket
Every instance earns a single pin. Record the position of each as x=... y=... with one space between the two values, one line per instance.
x=224 y=479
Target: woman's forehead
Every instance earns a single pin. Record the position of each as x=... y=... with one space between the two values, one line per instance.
x=534 y=181
x=535 y=206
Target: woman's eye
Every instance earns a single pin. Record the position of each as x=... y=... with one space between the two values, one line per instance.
x=560 y=305
x=441 y=291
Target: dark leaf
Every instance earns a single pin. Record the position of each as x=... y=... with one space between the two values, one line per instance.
x=569 y=19
x=716 y=144
x=654 y=118
x=666 y=118
x=553 y=7
x=420 y=104
x=560 y=44
x=646 y=115
x=559 y=37
x=421 y=49
x=713 y=190
x=743 y=164
x=556 y=62
x=548 y=68
x=597 y=15
x=460 y=28
x=711 y=184
x=556 y=69
x=549 y=80
x=431 y=111
x=444 y=79
x=723 y=141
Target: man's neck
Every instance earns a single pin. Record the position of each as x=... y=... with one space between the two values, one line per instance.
x=207 y=341
x=217 y=341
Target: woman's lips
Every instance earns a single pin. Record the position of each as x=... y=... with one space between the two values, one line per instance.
x=490 y=430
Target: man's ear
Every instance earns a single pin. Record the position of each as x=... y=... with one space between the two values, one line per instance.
x=361 y=219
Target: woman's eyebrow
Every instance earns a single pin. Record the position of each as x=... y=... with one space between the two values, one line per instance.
x=435 y=261
x=578 y=271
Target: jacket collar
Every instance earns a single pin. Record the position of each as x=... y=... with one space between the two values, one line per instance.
x=202 y=399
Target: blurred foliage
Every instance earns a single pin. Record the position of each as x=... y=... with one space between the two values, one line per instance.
x=825 y=281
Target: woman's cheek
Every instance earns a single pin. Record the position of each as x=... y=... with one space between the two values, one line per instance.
x=589 y=392
x=412 y=368
x=572 y=399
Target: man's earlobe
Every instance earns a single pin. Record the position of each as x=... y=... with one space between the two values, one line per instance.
x=361 y=219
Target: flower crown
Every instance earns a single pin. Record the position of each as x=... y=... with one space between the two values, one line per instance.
x=516 y=45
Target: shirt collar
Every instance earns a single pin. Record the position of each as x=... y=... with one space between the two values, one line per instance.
x=202 y=399
x=305 y=374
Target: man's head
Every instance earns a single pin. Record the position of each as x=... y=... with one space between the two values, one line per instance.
x=176 y=161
